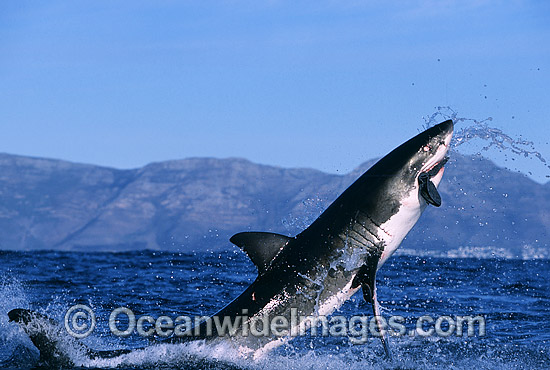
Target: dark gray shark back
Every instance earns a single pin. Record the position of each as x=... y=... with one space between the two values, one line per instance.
x=315 y=265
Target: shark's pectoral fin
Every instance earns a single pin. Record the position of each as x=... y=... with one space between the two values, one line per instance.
x=261 y=247
x=366 y=278
x=428 y=190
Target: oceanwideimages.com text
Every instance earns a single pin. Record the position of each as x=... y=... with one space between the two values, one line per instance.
x=80 y=322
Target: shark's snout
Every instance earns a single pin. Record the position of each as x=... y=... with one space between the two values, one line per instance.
x=446 y=127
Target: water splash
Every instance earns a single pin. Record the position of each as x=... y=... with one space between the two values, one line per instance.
x=472 y=129
x=308 y=211
x=13 y=344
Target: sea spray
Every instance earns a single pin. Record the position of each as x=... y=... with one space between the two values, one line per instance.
x=469 y=129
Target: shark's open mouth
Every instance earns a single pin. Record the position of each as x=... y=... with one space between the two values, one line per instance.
x=427 y=188
x=437 y=167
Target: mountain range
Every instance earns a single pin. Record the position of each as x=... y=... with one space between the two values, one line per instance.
x=198 y=203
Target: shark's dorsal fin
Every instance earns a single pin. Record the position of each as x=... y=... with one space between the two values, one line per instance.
x=261 y=247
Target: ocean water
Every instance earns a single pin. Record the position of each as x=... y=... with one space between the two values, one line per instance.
x=512 y=295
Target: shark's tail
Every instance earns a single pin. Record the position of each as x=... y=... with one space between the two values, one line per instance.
x=57 y=348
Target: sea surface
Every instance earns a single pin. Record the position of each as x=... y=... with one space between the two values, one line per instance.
x=513 y=296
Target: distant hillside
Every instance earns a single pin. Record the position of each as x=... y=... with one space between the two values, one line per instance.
x=198 y=203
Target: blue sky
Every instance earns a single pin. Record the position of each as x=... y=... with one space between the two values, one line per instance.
x=322 y=84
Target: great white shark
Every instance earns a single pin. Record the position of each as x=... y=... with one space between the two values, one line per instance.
x=313 y=273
